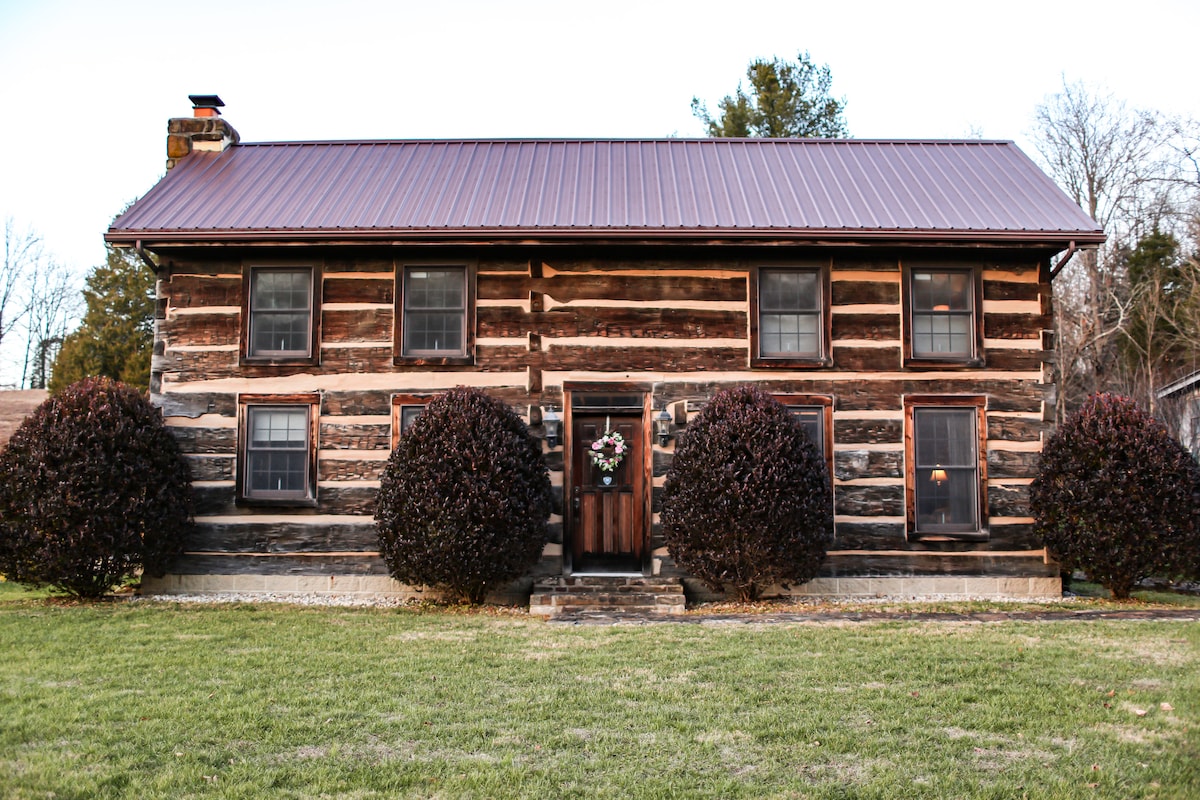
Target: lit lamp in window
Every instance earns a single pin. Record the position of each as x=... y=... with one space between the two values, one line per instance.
x=553 y=424
x=938 y=476
x=662 y=426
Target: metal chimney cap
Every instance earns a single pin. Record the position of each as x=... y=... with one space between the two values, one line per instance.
x=206 y=101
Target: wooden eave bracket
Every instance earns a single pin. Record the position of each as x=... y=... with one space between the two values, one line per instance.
x=1062 y=262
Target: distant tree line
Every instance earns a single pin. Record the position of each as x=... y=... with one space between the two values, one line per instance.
x=39 y=299
x=1127 y=313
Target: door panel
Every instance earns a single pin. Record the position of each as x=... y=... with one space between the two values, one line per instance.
x=608 y=523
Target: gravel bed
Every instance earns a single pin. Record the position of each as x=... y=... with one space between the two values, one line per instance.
x=314 y=599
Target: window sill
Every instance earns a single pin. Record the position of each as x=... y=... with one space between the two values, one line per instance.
x=943 y=363
x=947 y=536
x=268 y=502
x=278 y=361
x=771 y=362
x=434 y=361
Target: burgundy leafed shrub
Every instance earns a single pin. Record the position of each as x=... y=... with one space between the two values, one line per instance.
x=747 y=501
x=92 y=487
x=1115 y=496
x=464 y=498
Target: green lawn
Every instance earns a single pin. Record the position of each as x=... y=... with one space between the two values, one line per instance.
x=150 y=700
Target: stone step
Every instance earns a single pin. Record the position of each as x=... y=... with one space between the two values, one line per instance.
x=594 y=584
x=617 y=612
x=574 y=594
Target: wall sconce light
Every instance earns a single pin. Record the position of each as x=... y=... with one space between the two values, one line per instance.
x=662 y=426
x=553 y=424
x=938 y=476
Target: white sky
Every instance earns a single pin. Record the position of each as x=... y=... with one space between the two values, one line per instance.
x=86 y=87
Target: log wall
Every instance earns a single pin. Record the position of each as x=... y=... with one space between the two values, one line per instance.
x=676 y=321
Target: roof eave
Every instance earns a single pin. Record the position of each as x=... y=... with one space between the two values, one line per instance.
x=160 y=238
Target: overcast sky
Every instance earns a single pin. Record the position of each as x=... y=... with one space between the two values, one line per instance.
x=86 y=87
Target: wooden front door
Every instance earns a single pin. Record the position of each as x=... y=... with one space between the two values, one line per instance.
x=608 y=508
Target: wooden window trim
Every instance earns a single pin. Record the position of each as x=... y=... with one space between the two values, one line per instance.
x=975 y=360
x=399 y=403
x=826 y=404
x=913 y=402
x=825 y=358
x=467 y=356
x=248 y=401
x=313 y=357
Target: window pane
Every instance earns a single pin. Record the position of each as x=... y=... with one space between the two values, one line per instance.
x=946 y=472
x=280 y=332
x=279 y=427
x=789 y=290
x=942 y=334
x=812 y=420
x=941 y=291
x=280 y=311
x=274 y=471
x=408 y=415
x=945 y=437
x=947 y=498
x=437 y=331
x=792 y=334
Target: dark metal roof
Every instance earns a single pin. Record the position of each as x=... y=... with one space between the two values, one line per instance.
x=846 y=189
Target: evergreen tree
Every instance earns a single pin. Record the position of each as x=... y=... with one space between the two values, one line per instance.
x=116 y=336
x=787 y=100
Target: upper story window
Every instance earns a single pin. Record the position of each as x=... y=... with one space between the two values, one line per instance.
x=789 y=319
x=277 y=461
x=435 y=313
x=946 y=472
x=280 y=310
x=942 y=306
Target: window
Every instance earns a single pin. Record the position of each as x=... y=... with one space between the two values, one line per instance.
x=405 y=410
x=280 y=310
x=942 y=319
x=434 y=305
x=946 y=473
x=813 y=414
x=789 y=326
x=278 y=452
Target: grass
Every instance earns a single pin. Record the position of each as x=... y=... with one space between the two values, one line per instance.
x=150 y=700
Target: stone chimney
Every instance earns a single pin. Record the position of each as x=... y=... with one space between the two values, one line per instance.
x=204 y=131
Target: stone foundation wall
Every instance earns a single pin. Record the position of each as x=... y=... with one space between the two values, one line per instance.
x=384 y=587
x=349 y=586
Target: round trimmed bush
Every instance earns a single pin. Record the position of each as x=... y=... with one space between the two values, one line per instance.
x=1115 y=496
x=747 y=502
x=92 y=488
x=464 y=498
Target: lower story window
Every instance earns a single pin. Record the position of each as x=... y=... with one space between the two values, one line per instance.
x=278 y=450
x=405 y=410
x=945 y=476
x=813 y=412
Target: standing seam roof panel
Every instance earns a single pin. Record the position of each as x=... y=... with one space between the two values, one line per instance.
x=1006 y=192
x=900 y=203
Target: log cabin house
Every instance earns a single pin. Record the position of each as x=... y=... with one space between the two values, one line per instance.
x=897 y=294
